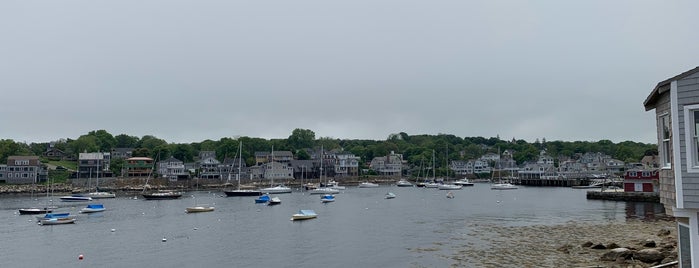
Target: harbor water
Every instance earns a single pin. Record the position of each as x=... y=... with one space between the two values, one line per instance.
x=360 y=229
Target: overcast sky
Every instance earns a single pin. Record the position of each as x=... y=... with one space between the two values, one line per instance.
x=186 y=71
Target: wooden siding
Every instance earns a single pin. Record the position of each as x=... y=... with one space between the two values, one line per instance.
x=667 y=176
x=687 y=94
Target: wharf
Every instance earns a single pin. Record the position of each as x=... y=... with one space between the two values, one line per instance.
x=624 y=196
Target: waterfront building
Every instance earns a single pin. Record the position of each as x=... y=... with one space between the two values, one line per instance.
x=121 y=153
x=93 y=165
x=641 y=180
x=389 y=165
x=172 y=169
x=209 y=165
x=138 y=166
x=676 y=104
x=345 y=164
x=20 y=170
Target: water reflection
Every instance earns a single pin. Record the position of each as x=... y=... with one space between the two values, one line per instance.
x=644 y=210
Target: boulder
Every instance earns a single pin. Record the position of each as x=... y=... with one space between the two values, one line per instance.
x=598 y=246
x=612 y=246
x=617 y=253
x=587 y=244
x=649 y=243
x=649 y=255
x=664 y=232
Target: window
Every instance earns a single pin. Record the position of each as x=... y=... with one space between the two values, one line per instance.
x=665 y=139
x=691 y=133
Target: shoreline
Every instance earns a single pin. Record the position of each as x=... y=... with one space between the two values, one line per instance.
x=564 y=245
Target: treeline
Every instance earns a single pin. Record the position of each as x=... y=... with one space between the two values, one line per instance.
x=416 y=149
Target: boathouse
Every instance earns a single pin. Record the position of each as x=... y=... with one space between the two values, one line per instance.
x=676 y=104
x=637 y=180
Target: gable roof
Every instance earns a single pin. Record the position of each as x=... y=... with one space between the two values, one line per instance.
x=664 y=86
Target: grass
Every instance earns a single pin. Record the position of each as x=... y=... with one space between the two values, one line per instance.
x=70 y=165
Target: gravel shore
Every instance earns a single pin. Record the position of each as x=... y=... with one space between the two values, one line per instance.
x=566 y=245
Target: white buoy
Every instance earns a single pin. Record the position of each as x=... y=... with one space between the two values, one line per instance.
x=195 y=228
x=164 y=239
x=113 y=230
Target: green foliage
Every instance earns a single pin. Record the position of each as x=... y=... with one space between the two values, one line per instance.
x=301 y=138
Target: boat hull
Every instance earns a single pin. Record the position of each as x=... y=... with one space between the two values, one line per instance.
x=243 y=193
x=199 y=209
x=30 y=211
x=158 y=196
x=56 y=221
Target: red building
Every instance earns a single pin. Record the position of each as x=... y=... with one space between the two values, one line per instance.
x=641 y=180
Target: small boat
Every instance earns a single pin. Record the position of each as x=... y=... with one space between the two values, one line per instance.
x=274 y=201
x=464 y=182
x=324 y=190
x=310 y=186
x=55 y=216
x=199 y=208
x=100 y=195
x=55 y=221
x=404 y=183
x=242 y=192
x=450 y=195
x=262 y=199
x=327 y=198
x=76 y=198
x=367 y=184
x=449 y=187
x=503 y=186
x=279 y=189
x=92 y=208
x=432 y=185
x=304 y=214
x=162 y=195
x=390 y=195
x=332 y=184
x=28 y=211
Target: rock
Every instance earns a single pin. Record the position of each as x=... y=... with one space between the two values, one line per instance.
x=664 y=232
x=616 y=253
x=565 y=248
x=587 y=244
x=649 y=243
x=649 y=255
x=612 y=246
x=598 y=246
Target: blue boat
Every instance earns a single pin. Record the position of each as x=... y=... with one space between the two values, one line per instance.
x=55 y=216
x=327 y=198
x=262 y=199
x=91 y=208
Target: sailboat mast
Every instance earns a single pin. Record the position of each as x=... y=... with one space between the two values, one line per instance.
x=240 y=161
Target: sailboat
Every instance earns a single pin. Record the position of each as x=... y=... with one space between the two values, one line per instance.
x=433 y=183
x=449 y=186
x=327 y=189
x=97 y=194
x=279 y=189
x=158 y=195
x=198 y=208
x=238 y=191
x=34 y=210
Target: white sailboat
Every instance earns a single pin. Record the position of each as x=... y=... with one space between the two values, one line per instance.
x=198 y=208
x=238 y=191
x=326 y=189
x=97 y=194
x=448 y=186
x=278 y=189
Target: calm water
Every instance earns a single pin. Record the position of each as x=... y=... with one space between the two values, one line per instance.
x=360 y=229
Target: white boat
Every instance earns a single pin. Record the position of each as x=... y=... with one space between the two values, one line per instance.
x=274 y=201
x=449 y=187
x=75 y=198
x=92 y=208
x=432 y=185
x=332 y=184
x=100 y=195
x=324 y=190
x=238 y=191
x=55 y=221
x=450 y=195
x=367 y=184
x=404 y=183
x=46 y=216
x=304 y=214
x=503 y=186
x=390 y=195
x=199 y=208
x=464 y=182
x=279 y=189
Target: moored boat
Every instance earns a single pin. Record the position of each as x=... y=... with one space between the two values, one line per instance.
x=162 y=195
x=390 y=195
x=404 y=183
x=54 y=216
x=199 y=208
x=324 y=190
x=367 y=184
x=92 y=208
x=75 y=198
x=327 y=198
x=304 y=214
x=28 y=211
x=100 y=195
x=55 y=221
x=262 y=199
x=464 y=182
x=274 y=201
x=449 y=187
x=279 y=189
x=503 y=186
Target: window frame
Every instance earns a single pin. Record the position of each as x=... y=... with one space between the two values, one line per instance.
x=691 y=137
x=665 y=142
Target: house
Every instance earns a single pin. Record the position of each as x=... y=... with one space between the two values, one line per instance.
x=138 y=166
x=346 y=164
x=278 y=170
x=676 y=104
x=641 y=180
x=53 y=153
x=21 y=170
x=172 y=169
x=93 y=165
x=279 y=156
x=121 y=153
x=389 y=165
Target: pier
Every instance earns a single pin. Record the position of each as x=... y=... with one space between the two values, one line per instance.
x=624 y=196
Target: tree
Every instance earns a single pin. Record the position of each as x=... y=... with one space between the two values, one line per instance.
x=301 y=138
x=105 y=141
x=126 y=141
x=86 y=143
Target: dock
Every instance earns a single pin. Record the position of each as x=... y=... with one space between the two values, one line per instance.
x=624 y=196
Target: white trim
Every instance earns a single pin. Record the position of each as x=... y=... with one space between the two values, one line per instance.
x=660 y=140
x=677 y=161
x=689 y=138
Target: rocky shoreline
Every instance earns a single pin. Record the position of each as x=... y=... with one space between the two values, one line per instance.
x=635 y=243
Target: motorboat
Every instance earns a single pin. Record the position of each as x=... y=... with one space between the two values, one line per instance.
x=503 y=186
x=55 y=221
x=242 y=192
x=92 y=208
x=449 y=187
x=199 y=208
x=367 y=184
x=432 y=185
x=324 y=190
x=327 y=198
x=404 y=183
x=450 y=195
x=75 y=198
x=262 y=199
x=279 y=189
x=55 y=216
x=274 y=201
x=162 y=195
x=390 y=195
x=304 y=214
x=100 y=195
x=310 y=186
x=332 y=184
x=28 y=211
x=464 y=182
